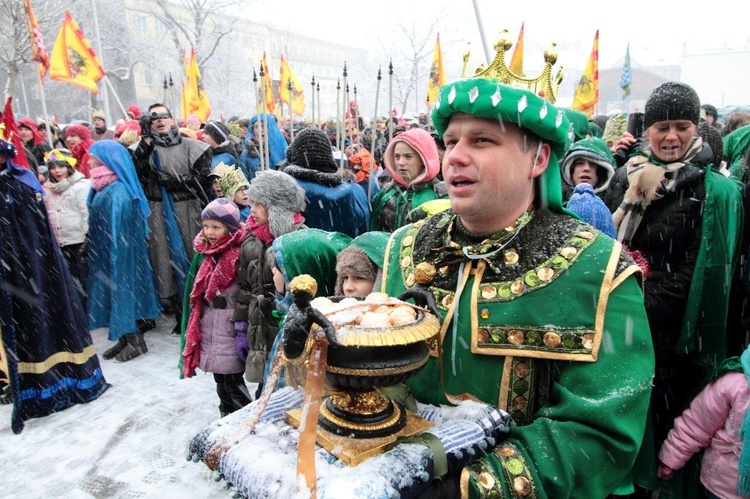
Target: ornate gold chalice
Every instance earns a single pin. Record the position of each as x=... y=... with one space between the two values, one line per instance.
x=372 y=343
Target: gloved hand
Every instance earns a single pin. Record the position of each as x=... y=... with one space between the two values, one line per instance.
x=240 y=327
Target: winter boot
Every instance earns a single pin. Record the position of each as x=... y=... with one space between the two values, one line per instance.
x=136 y=346
x=145 y=325
x=110 y=353
x=176 y=304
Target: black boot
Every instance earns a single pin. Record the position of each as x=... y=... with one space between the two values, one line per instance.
x=145 y=325
x=176 y=304
x=112 y=352
x=136 y=346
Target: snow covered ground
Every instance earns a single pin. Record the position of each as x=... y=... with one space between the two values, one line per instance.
x=130 y=443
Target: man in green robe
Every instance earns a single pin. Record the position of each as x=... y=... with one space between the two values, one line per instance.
x=543 y=315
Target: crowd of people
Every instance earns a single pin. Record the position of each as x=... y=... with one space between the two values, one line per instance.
x=591 y=274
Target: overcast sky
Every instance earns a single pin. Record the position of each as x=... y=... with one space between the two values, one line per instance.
x=658 y=32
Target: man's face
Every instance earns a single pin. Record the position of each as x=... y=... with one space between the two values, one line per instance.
x=25 y=133
x=489 y=171
x=99 y=123
x=161 y=121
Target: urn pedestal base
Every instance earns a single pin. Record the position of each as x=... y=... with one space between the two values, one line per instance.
x=352 y=450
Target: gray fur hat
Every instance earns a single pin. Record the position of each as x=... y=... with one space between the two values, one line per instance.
x=354 y=260
x=281 y=195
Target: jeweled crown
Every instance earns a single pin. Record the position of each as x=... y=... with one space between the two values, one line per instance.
x=543 y=85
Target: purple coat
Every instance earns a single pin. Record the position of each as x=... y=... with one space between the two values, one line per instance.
x=218 y=344
x=713 y=421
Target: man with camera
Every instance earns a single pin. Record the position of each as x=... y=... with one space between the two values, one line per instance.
x=174 y=173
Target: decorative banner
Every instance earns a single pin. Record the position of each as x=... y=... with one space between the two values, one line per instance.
x=9 y=132
x=195 y=96
x=587 y=92
x=627 y=76
x=297 y=99
x=270 y=103
x=73 y=60
x=437 y=74
x=516 y=62
x=38 y=50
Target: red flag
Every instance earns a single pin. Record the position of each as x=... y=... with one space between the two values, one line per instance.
x=9 y=131
x=38 y=50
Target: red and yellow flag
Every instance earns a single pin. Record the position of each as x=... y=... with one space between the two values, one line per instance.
x=297 y=98
x=516 y=62
x=270 y=103
x=195 y=95
x=587 y=91
x=38 y=50
x=9 y=132
x=437 y=74
x=73 y=60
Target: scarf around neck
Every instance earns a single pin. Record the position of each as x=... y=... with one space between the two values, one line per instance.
x=217 y=272
x=171 y=138
x=649 y=180
x=64 y=184
x=101 y=177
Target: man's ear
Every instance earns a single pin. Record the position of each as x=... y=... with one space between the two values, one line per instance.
x=541 y=158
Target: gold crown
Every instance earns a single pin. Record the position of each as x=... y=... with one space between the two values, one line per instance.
x=541 y=85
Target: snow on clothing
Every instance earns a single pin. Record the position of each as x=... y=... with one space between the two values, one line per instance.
x=183 y=174
x=210 y=335
x=121 y=286
x=576 y=379
x=66 y=206
x=689 y=236
x=713 y=421
x=52 y=364
x=333 y=205
x=255 y=302
x=223 y=154
x=398 y=198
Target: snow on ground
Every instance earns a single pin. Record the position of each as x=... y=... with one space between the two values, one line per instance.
x=130 y=443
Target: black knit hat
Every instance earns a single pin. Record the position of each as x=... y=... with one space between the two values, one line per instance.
x=217 y=131
x=672 y=101
x=312 y=149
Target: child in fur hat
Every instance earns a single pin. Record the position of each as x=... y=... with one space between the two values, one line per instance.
x=359 y=266
x=277 y=202
x=210 y=336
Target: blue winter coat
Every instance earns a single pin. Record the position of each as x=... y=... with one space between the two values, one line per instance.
x=332 y=204
x=121 y=279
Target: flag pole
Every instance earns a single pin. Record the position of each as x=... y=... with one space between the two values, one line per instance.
x=117 y=98
x=481 y=32
x=44 y=110
x=313 y=99
x=318 y=88
x=261 y=97
x=345 y=104
x=356 y=110
x=373 y=136
x=390 y=101
x=291 y=116
x=338 y=108
x=105 y=93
